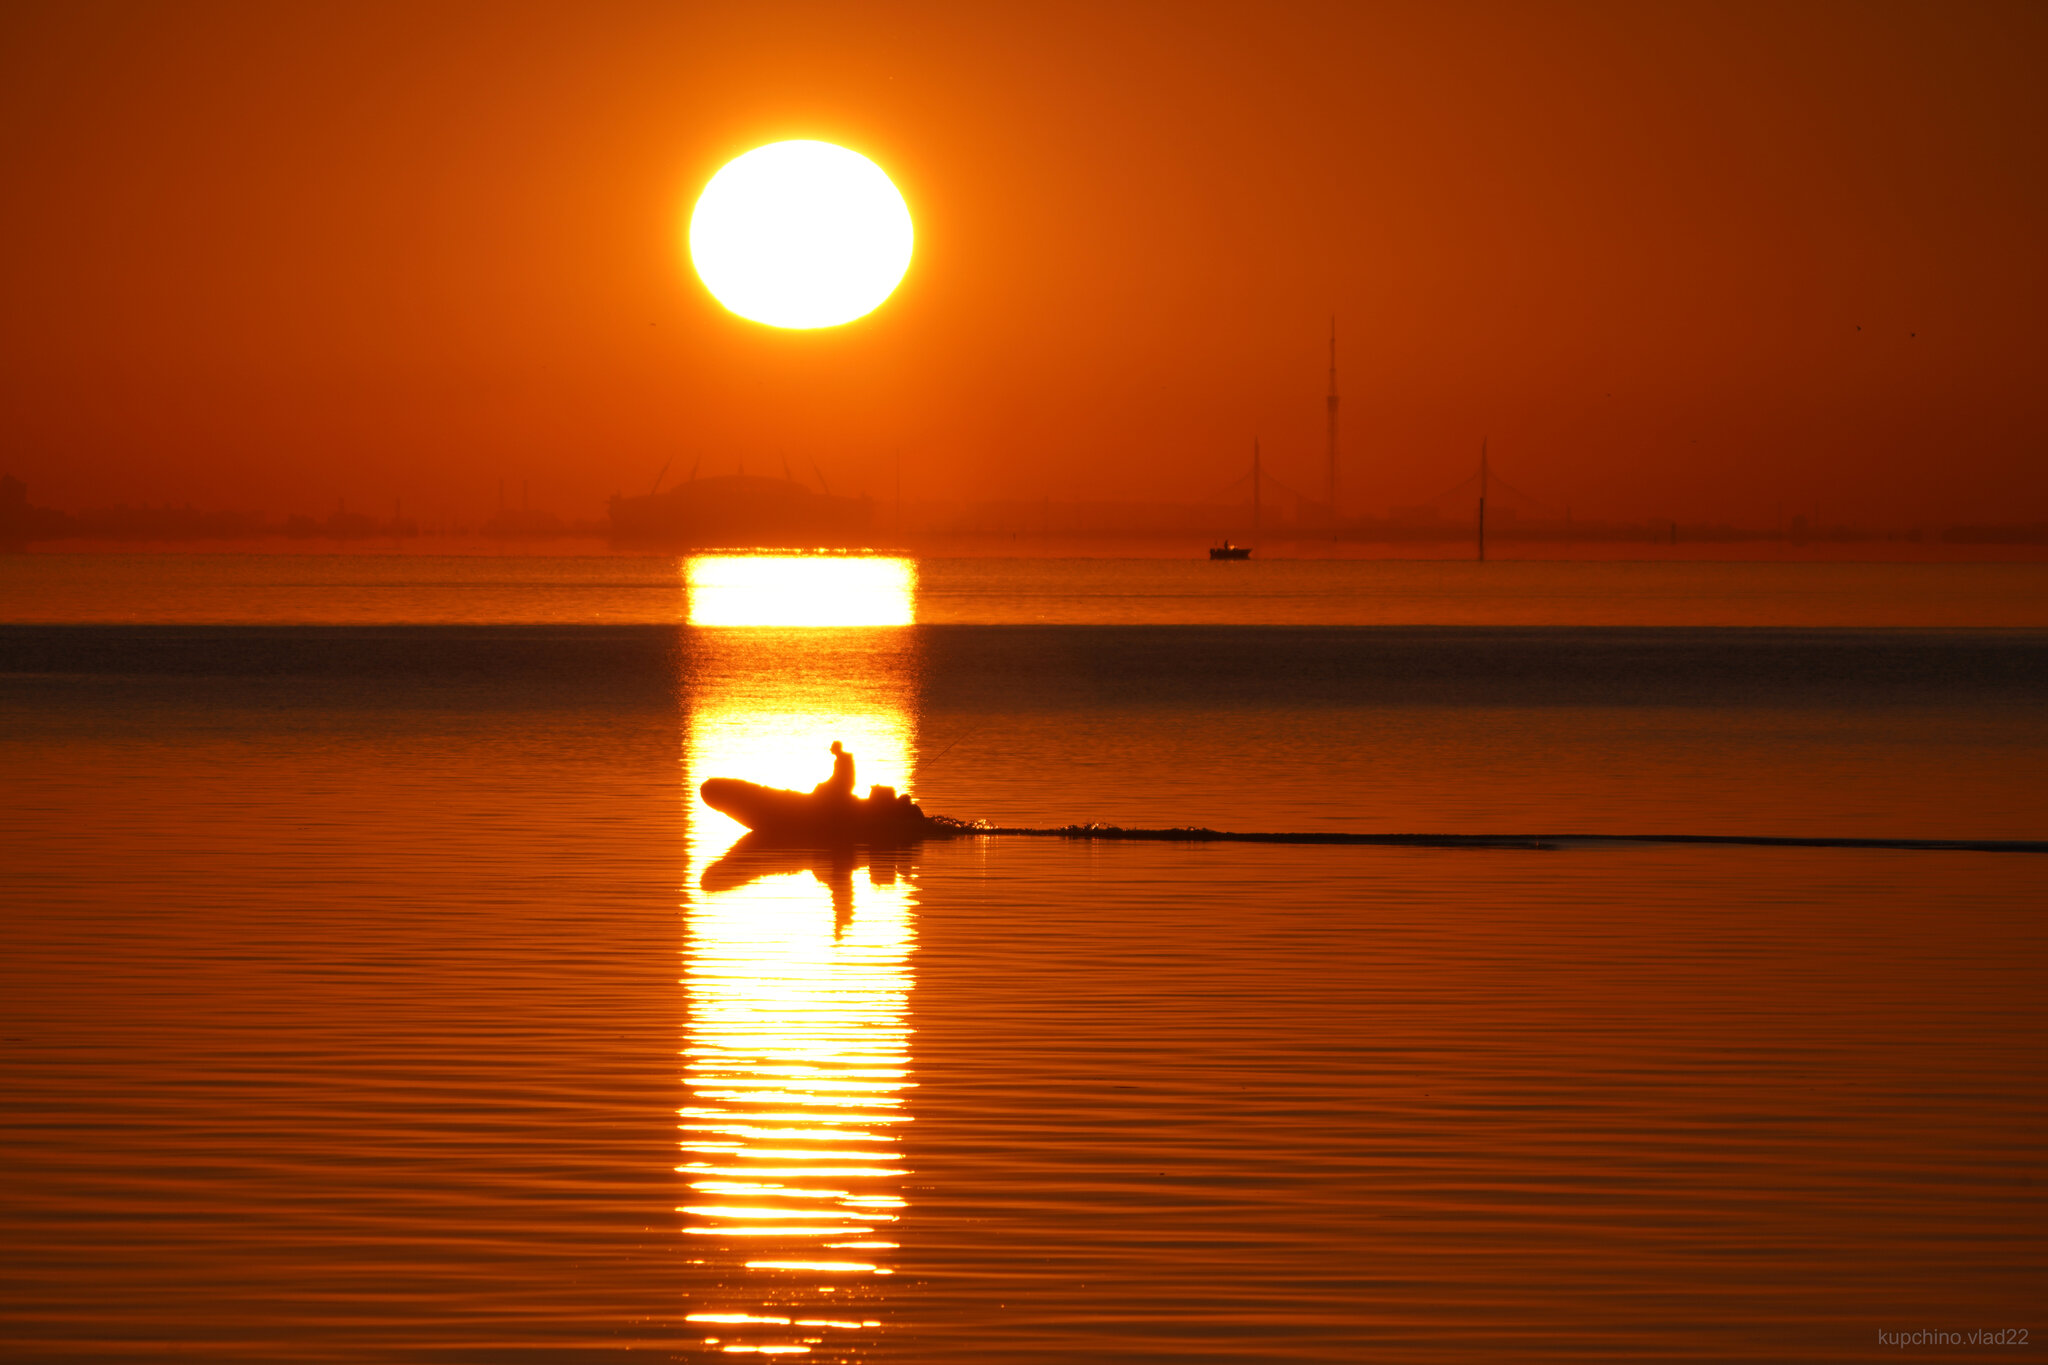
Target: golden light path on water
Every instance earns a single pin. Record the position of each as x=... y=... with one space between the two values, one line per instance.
x=797 y=1054
x=800 y=590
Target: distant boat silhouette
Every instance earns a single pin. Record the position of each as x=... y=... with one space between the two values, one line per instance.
x=1228 y=551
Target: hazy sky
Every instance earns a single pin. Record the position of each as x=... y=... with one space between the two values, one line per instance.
x=270 y=255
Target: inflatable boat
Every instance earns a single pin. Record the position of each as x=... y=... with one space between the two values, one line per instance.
x=883 y=816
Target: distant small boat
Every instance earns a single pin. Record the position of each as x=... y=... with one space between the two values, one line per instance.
x=882 y=817
x=1228 y=551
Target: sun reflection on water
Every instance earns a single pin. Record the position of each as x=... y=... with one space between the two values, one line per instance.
x=797 y=1064
x=800 y=590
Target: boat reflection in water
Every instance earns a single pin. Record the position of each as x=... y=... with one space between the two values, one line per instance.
x=798 y=962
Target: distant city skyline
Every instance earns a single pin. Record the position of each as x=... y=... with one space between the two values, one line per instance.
x=1292 y=520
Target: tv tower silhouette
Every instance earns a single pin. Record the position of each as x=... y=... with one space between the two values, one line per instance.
x=1333 y=422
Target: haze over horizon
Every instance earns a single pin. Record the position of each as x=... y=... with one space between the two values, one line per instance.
x=1731 y=265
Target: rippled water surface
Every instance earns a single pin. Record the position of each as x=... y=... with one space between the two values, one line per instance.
x=385 y=992
x=621 y=590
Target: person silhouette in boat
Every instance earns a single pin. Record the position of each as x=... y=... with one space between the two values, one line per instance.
x=839 y=786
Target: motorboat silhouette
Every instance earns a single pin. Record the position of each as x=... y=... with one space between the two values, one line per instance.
x=883 y=816
x=829 y=814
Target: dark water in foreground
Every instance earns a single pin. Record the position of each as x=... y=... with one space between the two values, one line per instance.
x=384 y=993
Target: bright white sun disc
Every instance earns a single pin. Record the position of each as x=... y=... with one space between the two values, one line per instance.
x=800 y=234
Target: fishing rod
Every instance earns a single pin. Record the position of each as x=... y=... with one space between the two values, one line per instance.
x=949 y=748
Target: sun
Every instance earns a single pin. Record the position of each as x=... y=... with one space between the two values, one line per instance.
x=800 y=234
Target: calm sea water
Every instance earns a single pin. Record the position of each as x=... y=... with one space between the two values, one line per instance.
x=375 y=987
x=652 y=590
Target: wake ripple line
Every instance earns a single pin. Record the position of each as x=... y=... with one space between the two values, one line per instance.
x=1193 y=835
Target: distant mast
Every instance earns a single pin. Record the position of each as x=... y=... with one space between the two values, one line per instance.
x=1255 y=488
x=1482 y=500
x=1332 y=478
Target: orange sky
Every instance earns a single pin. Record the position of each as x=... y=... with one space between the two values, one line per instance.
x=271 y=255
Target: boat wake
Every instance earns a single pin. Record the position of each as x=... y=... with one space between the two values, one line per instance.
x=1193 y=835
x=831 y=816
